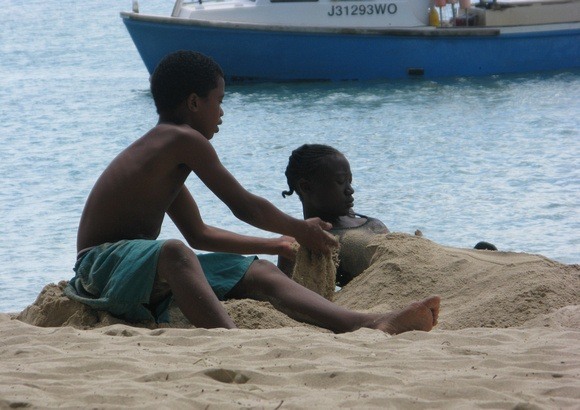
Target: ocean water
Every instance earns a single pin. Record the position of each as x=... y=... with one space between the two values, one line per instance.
x=463 y=160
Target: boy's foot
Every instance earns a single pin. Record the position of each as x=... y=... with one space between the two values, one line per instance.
x=416 y=316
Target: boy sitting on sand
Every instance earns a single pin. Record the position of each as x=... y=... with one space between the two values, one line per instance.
x=123 y=268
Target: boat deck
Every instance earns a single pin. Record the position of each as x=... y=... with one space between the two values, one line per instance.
x=525 y=12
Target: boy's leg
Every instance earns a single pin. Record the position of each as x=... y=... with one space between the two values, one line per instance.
x=180 y=268
x=264 y=281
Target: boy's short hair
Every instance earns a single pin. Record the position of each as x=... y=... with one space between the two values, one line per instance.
x=181 y=73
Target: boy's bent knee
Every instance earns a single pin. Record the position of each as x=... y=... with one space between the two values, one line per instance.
x=175 y=252
x=174 y=247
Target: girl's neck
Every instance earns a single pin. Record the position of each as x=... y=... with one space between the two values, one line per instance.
x=342 y=221
x=326 y=218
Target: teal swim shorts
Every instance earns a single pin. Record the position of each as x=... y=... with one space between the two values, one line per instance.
x=119 y=277
x=224 y=270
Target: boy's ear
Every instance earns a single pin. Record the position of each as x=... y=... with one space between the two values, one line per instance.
x=192 y=101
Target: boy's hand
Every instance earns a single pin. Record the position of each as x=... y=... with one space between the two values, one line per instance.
x=287 y=247
x=315 y=237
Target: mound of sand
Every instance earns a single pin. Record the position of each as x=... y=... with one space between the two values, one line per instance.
x=53 y=308
x=477 y=288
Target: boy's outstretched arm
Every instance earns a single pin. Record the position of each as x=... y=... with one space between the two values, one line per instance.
x=199 y=155
x=186 y=216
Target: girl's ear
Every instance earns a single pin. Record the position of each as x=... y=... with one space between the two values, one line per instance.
x=303 y=187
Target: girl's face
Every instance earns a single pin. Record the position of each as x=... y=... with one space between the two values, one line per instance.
x=328 y=193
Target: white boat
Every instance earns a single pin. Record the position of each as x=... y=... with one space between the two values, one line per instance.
x=312 y=40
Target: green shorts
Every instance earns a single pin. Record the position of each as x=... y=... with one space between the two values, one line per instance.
x=120 y=277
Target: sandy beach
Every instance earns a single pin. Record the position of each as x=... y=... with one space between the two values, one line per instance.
x=508 y=338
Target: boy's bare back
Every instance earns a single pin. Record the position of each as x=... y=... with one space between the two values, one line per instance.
x=131 y=197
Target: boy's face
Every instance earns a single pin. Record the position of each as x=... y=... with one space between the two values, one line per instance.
x=328 y=194
x=209 y=111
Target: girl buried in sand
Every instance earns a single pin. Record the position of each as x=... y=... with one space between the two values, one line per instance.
x=321 y=177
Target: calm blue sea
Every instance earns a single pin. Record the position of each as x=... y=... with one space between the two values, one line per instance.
x=463 y=160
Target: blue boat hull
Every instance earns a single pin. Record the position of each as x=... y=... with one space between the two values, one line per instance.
x=279 y=55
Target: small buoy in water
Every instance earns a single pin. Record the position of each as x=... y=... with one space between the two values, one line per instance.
x=483 y=245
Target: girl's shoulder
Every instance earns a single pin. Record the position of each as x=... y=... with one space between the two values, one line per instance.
x=375 y=225
x=361 y=222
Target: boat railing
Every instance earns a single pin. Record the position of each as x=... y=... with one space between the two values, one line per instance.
x=180 y=3
x=177 y=7
x=183 y=2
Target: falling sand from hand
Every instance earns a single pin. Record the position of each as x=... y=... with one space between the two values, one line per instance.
x=316 y=271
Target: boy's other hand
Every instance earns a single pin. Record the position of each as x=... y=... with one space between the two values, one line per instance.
x=316 y=238
x=287 y=247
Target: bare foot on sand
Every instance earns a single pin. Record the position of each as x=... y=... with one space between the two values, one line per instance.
x=416 y=316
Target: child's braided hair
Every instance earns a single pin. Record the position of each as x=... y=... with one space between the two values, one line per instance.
x=304 y=162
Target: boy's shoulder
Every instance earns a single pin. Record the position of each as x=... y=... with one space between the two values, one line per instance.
x=167 y=135
x=173 y=130
x=179 y=144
